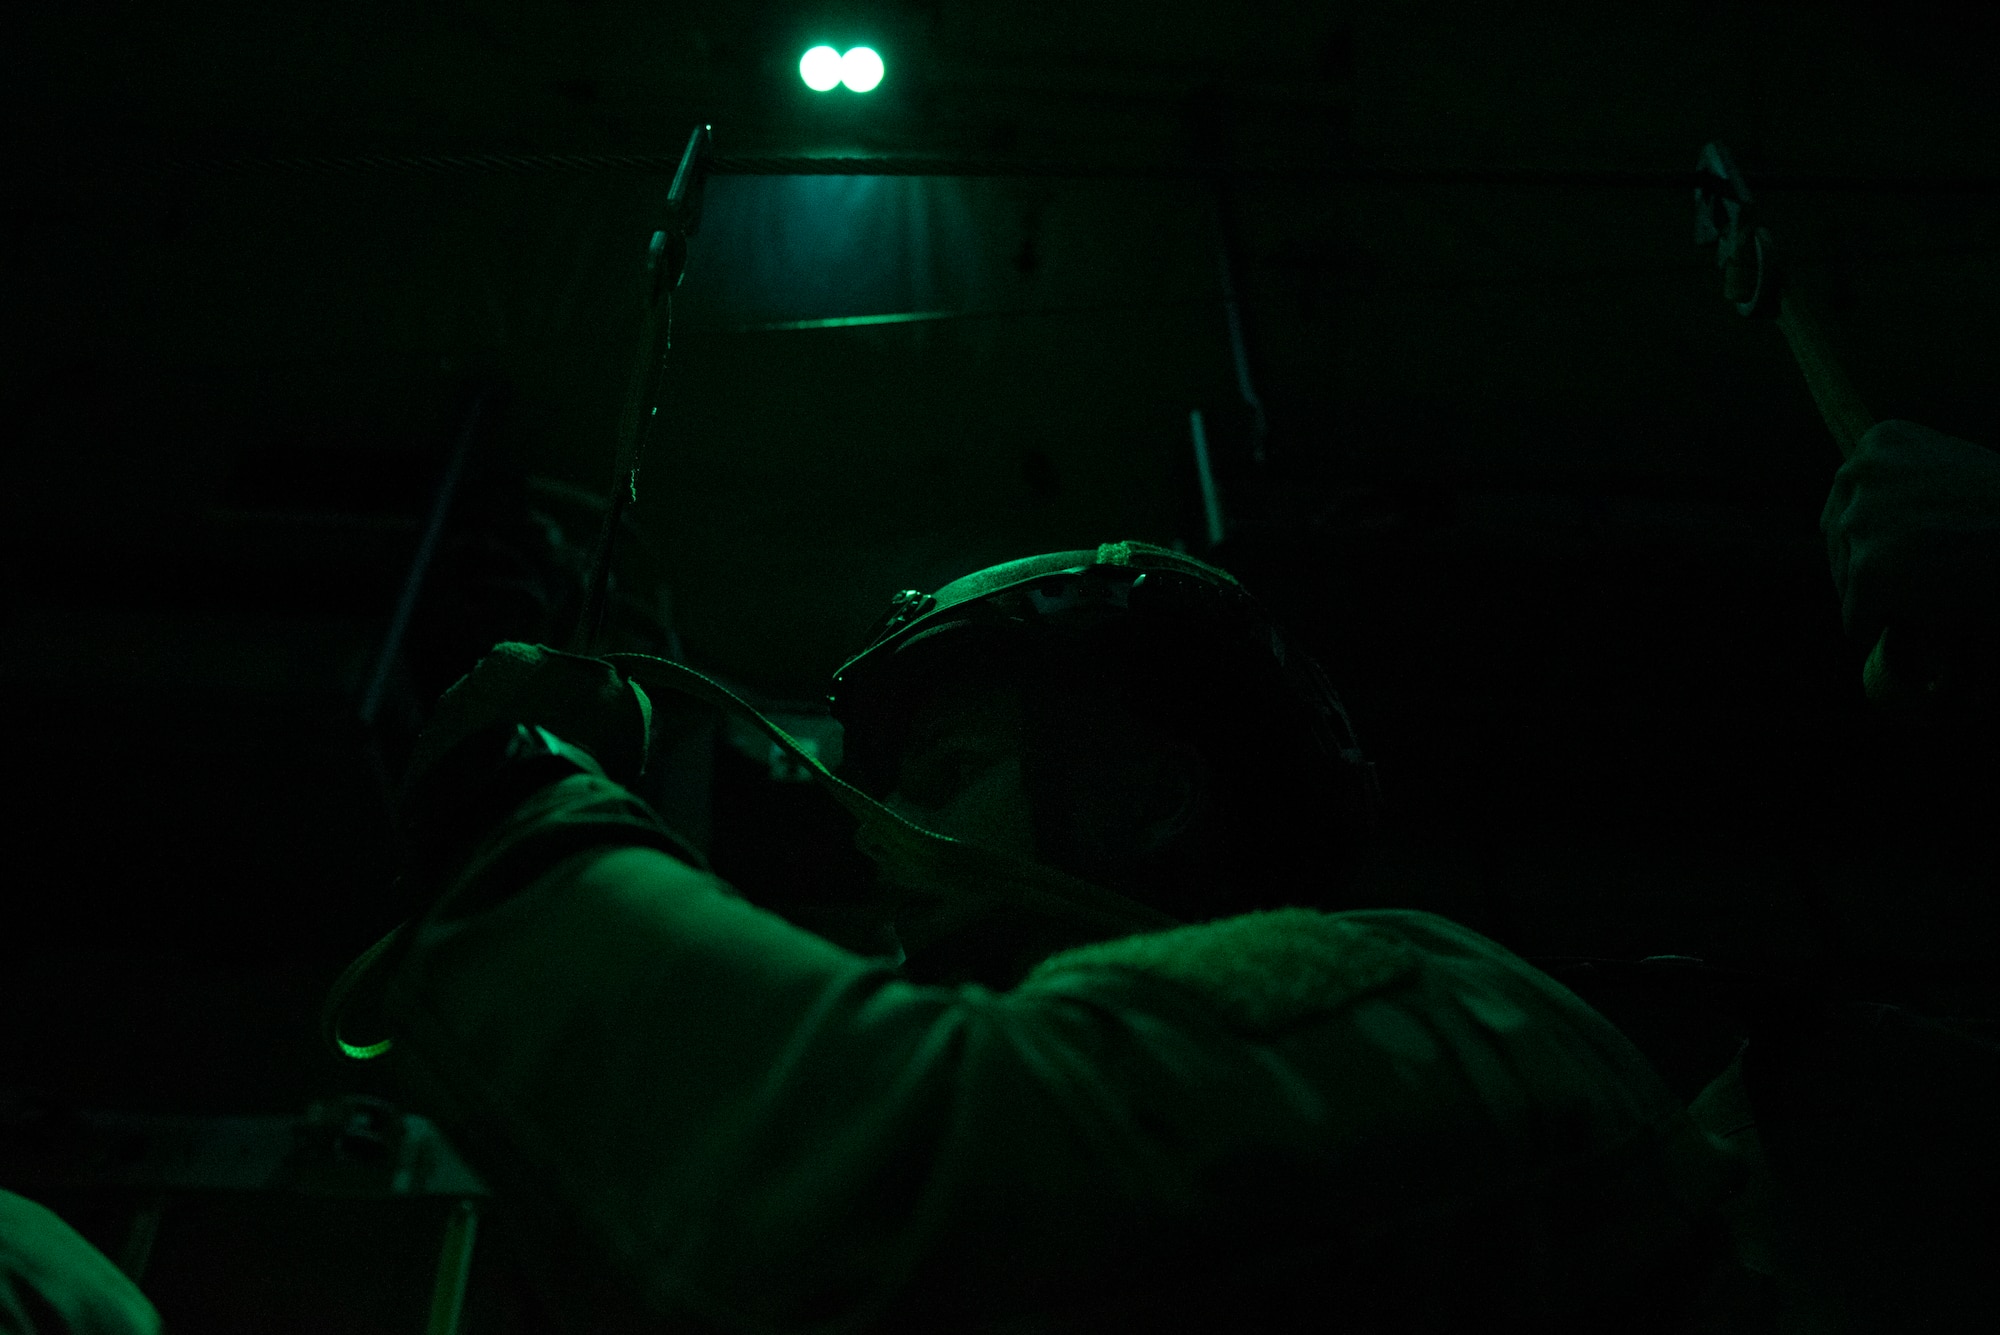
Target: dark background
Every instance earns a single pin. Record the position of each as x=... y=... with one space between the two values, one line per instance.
x=1544 y=504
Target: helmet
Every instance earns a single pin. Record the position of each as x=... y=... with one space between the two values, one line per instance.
x=1074 y=596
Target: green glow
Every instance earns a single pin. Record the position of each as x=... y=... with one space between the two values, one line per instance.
x=820 y=68
x=851 y=321
x=861 y=69
x=362 y=1054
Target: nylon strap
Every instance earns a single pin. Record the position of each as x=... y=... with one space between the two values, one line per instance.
x=909 y=854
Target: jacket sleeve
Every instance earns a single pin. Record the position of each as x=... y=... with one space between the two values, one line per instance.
x=748 y=1128
x=54 y=1282
x=745 y=1124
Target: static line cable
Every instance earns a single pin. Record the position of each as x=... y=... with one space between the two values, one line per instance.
x=908 y=855
x=666 y=265
x=1211 y=499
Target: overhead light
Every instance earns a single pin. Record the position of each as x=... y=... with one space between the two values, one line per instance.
x=821 y=68
x=861 y=69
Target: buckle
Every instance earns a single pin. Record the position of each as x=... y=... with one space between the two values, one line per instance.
x=904 y=608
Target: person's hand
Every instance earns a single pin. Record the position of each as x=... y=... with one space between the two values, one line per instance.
x=1913 y=532
x=584 y=701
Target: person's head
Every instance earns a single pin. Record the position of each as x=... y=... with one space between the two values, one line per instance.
x=1126 y=715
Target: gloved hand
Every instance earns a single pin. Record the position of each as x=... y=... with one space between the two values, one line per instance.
x=1913 y=532
x=584 y=701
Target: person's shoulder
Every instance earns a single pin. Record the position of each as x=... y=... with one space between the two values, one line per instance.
x=49 y=1270
x=1263 y=971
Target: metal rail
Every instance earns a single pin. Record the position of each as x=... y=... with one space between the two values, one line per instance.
x=922 y=164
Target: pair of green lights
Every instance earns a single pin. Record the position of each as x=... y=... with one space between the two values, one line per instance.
x=823 y=68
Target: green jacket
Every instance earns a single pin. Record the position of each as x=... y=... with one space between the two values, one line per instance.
x=711 y=1119
x=53 y=1282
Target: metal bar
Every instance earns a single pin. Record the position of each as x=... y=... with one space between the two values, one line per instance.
x=918 y=164
x=925 y=317
x=164 y=1155
x=666 y=264
x=453 y=1269
x=1211 y=500
x=640 y=412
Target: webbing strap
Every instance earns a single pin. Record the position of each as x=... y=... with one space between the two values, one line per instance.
x=909 y=854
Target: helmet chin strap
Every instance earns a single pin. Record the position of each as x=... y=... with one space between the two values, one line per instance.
x=910 y=856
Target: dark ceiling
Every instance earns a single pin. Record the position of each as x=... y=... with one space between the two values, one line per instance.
x=182 y=325
x=1546 y=505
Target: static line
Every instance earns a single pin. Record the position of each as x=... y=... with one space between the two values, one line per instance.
x=1211 y=501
